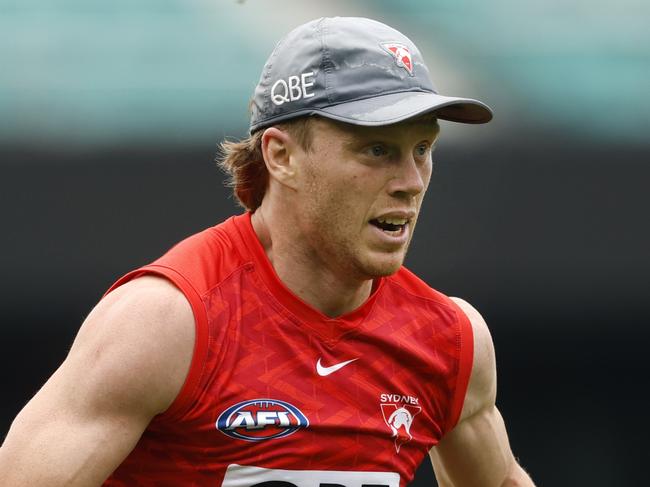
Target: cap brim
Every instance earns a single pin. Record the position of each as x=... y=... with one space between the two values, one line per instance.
x=397 y=107
x=394 y=108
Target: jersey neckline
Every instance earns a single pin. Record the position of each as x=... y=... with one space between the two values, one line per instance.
x=303 y=311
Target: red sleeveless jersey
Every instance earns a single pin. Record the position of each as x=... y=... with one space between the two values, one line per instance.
x=280 y=395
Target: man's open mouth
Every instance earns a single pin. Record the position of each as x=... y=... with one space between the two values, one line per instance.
x=390 y=225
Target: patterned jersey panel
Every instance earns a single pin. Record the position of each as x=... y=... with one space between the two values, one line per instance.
x=300 y=398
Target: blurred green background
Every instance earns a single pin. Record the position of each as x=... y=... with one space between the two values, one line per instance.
x=110 y=114
x=103 y=73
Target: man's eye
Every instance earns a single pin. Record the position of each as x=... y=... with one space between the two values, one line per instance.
x=378 y=150
x=421 y=150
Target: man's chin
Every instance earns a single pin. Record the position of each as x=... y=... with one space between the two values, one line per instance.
x=382 y=267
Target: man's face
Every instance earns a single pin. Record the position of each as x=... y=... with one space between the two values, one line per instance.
x=360 y=190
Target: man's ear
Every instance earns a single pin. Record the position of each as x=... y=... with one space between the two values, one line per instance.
x=278 y=149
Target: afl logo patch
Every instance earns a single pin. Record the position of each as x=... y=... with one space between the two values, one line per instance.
x=261 y=419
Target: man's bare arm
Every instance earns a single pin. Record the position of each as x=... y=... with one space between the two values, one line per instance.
x=476 y=453
x=127 y=364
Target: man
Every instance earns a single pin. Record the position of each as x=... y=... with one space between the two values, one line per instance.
x=288 y=346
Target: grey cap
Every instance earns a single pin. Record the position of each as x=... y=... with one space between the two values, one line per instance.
x=353 y=70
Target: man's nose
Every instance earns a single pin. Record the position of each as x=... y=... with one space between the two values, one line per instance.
x=409 y=178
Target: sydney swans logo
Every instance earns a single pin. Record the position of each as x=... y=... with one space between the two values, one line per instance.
x=401 y=55
x=398 y=412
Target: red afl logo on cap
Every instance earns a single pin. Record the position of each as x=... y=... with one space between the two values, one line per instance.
x=401 y=54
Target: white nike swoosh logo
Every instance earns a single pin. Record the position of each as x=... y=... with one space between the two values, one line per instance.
x=324 y=371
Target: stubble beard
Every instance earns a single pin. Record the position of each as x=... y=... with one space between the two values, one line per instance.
x=341 y=252
x=351 y=260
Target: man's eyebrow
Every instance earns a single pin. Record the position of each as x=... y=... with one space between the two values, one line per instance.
x=353 y=135
x=353 y=142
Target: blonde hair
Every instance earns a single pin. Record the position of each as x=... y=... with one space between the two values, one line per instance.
x=243 y=161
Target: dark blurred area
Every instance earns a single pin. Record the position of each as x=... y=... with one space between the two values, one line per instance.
x=550 y=244
x=539 y=219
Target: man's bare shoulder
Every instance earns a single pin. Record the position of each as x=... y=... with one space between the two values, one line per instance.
x=477 y=450
x=127 y=364
x=139 y=340
x=482 y=387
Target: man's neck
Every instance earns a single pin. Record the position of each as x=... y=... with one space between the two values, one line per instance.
x=312 y=281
